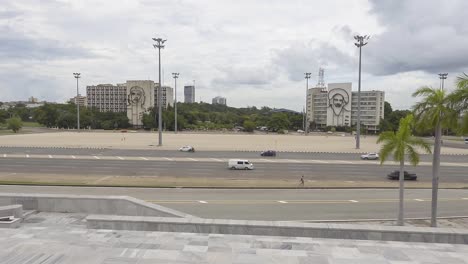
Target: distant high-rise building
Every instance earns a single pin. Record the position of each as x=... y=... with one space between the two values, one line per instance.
x=189 y=94
x=80 y=100
x=219 y=100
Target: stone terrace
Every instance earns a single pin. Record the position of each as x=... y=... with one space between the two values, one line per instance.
x=63 y=238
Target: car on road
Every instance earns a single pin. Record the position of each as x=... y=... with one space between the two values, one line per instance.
x=268 y=153
x=187 y=149
x=395 y=175
x=466 y=140
x=238 y=164
x=370 y=156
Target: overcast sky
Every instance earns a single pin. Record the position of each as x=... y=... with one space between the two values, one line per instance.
x=253 y=52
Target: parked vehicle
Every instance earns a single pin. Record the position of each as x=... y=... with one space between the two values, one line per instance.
x=187 y=149
x=269 y=153
x=238 y=164
x=370 y=156
x=395 y=175
x=466 y=140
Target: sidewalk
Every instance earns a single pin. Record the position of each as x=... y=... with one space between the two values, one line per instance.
x=203 y=142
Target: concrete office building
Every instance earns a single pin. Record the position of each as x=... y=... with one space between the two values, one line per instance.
x=189 y=94
x=219 y=100
x=135 y=97
x=107 y=97
x=337 y=106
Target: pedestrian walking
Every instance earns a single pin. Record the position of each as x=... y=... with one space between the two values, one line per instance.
x=302 y=181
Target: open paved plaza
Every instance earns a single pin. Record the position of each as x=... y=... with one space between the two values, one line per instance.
x=203 y=141
x=48 y=238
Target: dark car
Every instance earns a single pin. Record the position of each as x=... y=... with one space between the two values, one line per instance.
x=270 y=153
x=395 y=175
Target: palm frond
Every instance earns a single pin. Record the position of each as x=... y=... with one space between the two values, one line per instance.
x=462 y=81
x=413 y=155
x=421 y=143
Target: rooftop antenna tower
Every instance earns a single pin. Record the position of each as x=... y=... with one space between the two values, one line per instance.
x=321 y=78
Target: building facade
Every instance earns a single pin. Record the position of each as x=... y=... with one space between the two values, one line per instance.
x=189 y=94
x=135 y=97
x=219 y=100
x=107 y=97
x=80 y=100
x=337 y=106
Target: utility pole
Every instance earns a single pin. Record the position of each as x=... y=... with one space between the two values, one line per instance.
x=175 y=75
x=306 y=124
x=360 y=43
x=442 y=77
x=77 y=76
x=159 y=45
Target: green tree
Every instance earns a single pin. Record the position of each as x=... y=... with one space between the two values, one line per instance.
x=249 y=126
x=278 y=121
x=434 y=112
x=14 y=124
x=459 y=101
x=399 y=144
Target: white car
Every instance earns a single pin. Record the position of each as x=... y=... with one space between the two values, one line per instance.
x=370 y=156
x=238 y=164
x=187 y=149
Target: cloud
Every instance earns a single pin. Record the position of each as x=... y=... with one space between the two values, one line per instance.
x=419 y=35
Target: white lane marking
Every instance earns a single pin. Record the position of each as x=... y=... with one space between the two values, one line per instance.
x=349 y=181
x=296 y=161
x=319 y=161
x=419 y=200
x=27 y=155
x=73 y=157
x=283 y=202
x=168 y=159
x=4 y=155
x=50 y=156
x=353 y=201
x=143 y=158
x=203 y=202
x=216 y=159
x=465 y=198
x=267 y=160
x=345 y=161
x=120 y=158
x=192 y=159
x=96 y=157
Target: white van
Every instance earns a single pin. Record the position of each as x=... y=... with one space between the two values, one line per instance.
x=238 y=164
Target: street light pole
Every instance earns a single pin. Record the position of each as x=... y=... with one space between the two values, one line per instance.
x=159 y=45
x=442 y=77
x=77 y=76
x=175 y=75
x=306 y=124
x=360 y=43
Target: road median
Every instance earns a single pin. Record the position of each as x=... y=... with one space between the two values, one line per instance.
x=202 y=182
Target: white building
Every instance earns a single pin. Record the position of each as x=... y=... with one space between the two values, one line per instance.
x=81 y=100
x=135 y=97
x=337 y=106
x=219 y=100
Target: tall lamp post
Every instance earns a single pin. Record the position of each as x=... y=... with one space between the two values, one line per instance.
x=159 y=45
x=442 y=77
x=306 y=123
x=77 y=76
x=175 y=75
x=360 y=42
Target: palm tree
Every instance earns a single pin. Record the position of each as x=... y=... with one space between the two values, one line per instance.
x=459 y=100
x=400 y=144
x=434 y=111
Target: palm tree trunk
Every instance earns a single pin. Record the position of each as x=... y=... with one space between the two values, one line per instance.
x=402 y=188
x=435 y=173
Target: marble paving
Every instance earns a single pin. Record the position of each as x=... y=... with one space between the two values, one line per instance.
x=48 y=238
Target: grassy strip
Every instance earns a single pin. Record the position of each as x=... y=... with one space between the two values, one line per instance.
x=179 y=182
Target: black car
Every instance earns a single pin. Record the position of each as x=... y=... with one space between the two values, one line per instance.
x=395 y=175
x=270 y=153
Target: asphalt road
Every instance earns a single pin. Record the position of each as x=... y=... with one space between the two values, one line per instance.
x=202 y=154
x=287 y=205
x=266 y=170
